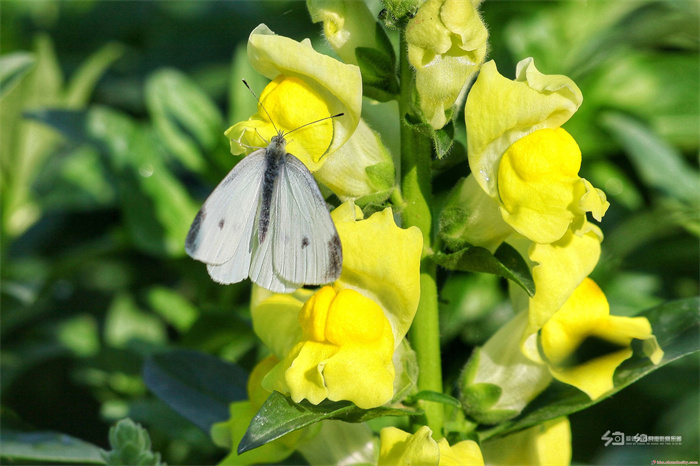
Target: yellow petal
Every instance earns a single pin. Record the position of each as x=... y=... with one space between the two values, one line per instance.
x=346 y=25
x=562 y=266
x=345 y=353
x=398 y=448
x=464 y=453
x=382 y=262
x=546 y=444
x=593 y=201
x=539 y=186
x=339 y=84
x=586 y=314
x=291 y=103
x=275 y=321
x=500 y=111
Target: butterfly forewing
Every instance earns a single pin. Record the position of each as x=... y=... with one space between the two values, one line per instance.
x=222 y=230
x=310 y=252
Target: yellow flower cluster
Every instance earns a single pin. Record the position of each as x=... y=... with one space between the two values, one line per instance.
x=525 y=190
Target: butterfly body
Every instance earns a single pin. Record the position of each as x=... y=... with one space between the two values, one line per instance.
x=267 y=220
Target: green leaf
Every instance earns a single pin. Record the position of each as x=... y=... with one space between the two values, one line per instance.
x=186 y=119
x=14 y=67
x=279 y=415
x=157 y=208
x=658 y=163
x=198 y=386
x=125 y=322
x=175 y=309
x=506 y=263
x=675 y=325
x=85 y=78
x=435 y=397
x=242 y=103
x=48 y=447
x=379 y=81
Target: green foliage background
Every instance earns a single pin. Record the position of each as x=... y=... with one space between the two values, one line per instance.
x=111 y=130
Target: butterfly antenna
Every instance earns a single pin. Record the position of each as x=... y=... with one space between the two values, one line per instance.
x=314 y=122
x=261 y=104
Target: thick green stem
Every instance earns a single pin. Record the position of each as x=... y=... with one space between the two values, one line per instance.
x=417 y=194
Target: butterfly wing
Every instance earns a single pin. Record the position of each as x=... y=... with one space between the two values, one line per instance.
x=262 y=271
x=222 y=230
x=306 y=247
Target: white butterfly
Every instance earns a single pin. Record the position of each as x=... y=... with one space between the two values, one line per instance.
x=267 y=220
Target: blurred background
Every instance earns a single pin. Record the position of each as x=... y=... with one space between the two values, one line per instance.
x=111 y=131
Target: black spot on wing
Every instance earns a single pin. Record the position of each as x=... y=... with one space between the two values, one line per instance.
x=304 y=242
x=335 y=258
x=193 y=234
x=221 y=224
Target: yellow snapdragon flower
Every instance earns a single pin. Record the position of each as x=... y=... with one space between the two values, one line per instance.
x=399 y=448
x=339 y=342
x=446 y=46
x=307 y=86
x=345 y=26
x=344 y=153
x=586 y=314
x=521 y=157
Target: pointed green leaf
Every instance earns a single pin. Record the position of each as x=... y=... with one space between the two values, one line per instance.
x=13 y=67
x=435 y=397
x=242 y=103
x=506 y=263
x=186 y=119
x=157 y=208
x=85 y=78
x=46 y=447
x=675 y=325
x=657 y=162
x=198 y=386
x=378 y=68
x=279 y=415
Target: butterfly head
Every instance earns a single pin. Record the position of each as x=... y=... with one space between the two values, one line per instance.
x=278 y=141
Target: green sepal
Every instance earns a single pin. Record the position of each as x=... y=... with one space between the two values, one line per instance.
x=434 y=397
x=443 y=138
x=381 y=175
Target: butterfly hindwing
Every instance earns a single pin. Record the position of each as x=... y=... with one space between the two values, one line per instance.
x=309 y=252
x=262 y=271
x=220 y=235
